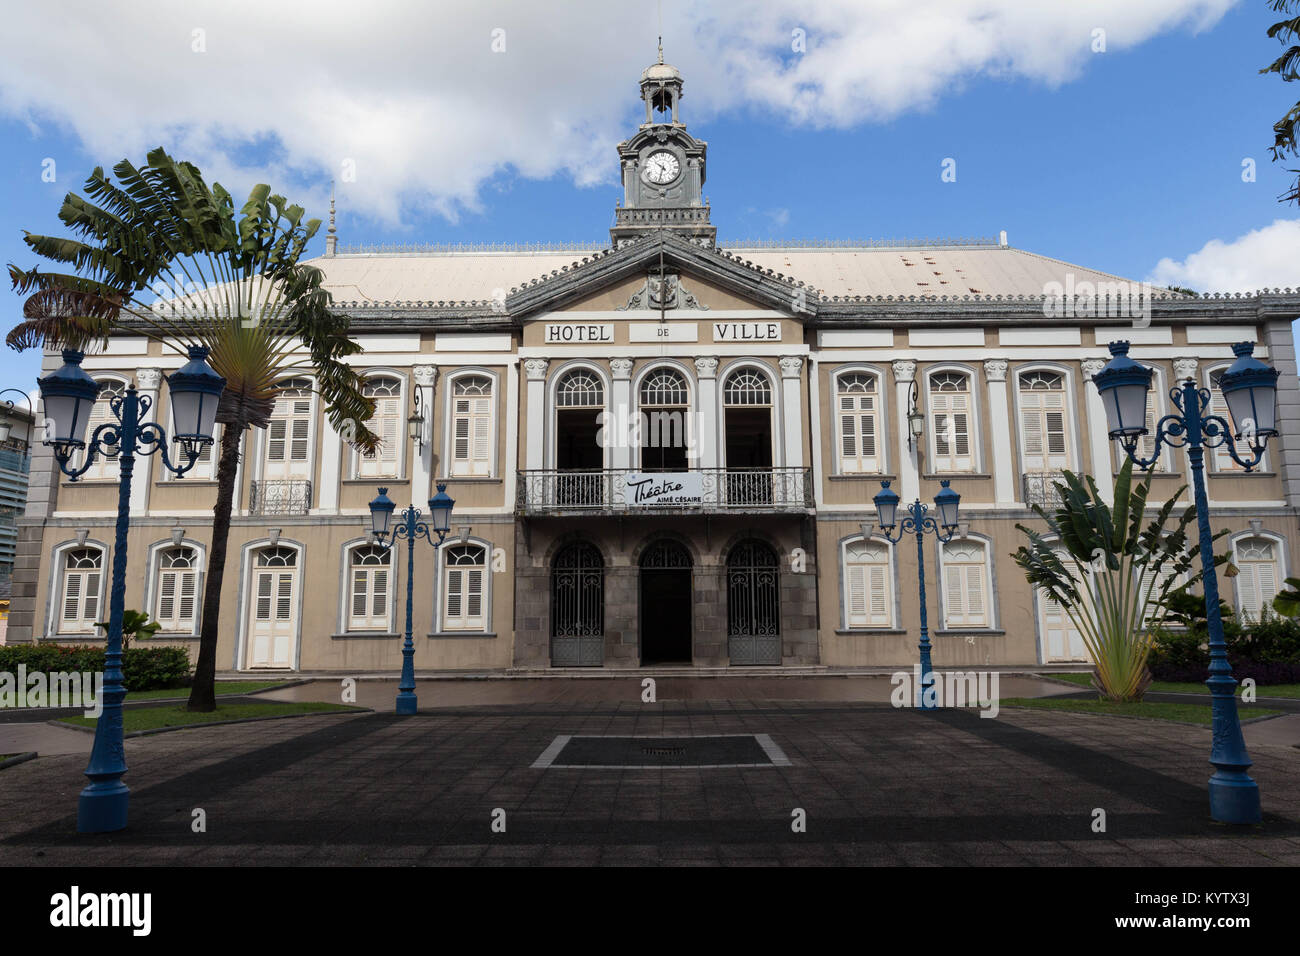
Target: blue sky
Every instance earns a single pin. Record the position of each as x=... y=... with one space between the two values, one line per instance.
x=1132 y=157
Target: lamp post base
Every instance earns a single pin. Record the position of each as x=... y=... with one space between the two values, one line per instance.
x=102 y=807
x=406 y=702
x=1234 y=798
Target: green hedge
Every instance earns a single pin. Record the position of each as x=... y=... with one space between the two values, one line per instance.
x=144 y=668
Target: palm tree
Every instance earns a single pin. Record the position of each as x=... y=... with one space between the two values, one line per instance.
x=1117 y=574
x=160 y=253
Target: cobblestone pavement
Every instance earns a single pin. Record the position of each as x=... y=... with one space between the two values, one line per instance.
x=877 y=786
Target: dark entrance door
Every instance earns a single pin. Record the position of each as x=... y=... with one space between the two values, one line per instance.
x=749 y=456
x=753 y=604
x=666 y=599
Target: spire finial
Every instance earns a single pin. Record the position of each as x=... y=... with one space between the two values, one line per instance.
x=331 y=237
x=661 y=49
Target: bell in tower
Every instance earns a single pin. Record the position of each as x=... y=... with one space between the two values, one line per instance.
x=663 y=167
x=661 y=88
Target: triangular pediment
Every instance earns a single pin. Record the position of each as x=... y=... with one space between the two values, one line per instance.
x=613 y=277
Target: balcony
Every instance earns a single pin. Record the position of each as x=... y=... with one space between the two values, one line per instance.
x=701 y=491
x=292 y=497
x=1039 y=488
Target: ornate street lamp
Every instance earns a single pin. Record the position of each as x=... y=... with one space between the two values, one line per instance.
x=1249 y=387
x=410 y=528
x=69 y=394
x=917 y=522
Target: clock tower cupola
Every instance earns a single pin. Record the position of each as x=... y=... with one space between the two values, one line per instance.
x=663 y=167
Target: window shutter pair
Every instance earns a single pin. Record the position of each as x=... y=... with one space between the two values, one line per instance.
x=472 y=436
x=858 y=433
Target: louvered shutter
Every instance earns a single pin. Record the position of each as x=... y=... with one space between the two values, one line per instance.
x=858 y=433
x=952 y=445
x=879 y=596
x=283 y=603
x=167 y=598
x=387 y=425
x=472 y=435
x=264 y=583
x=857 y=596
x=72 y=586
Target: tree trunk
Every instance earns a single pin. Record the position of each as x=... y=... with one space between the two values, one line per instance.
x=203 y=693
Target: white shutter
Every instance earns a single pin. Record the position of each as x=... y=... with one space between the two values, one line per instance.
x=952 y=445
x=167 y=598
x=386 y=424
x=463 y=595
x=866 y=587
x=879 y=594
x=858 y=433
x=283 y=598
x=1045 y=441
x=275 y=444
x=1222 y=459
x=471 y=446
x=72 y=585
x=264 y=582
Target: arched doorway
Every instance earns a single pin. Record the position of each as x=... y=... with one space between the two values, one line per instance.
x=273 y=610
x=578 y=607
x=753 y=604
x=747 y=417
x=666 y=597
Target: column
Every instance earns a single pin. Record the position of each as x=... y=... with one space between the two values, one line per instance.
x=535 y=368
x=1003 y=461
x=617 y=428
x=426 y=381
x=706 y=415
x=331 y=469
x=147 y=381
x=1103 y=455
x=909 y=481
x=792 y=410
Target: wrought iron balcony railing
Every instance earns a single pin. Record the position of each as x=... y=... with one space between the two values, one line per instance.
x=1040 y=488
x=291 y=497
x=707 y=490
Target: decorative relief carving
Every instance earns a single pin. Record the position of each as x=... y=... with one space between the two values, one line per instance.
x=1092 y=366
x=790 y=366
x=536 y=368
x=663 y=293
x=995 y=370
x=621 y=367
x=706 y=367
x=1185 y=368
x=425 y=375
x=904 y=370
x=148 y=379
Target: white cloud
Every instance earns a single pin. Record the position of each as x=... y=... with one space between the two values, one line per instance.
x=1264 y=258
x=413 y=93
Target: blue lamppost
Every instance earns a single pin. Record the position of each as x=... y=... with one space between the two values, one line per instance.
x=918 y=523
x=1248 y=387
x=410 y=528
x=69 y=394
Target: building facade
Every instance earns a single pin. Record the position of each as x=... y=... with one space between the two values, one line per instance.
x=664 y=451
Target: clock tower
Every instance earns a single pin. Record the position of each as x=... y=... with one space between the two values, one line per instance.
x=663 y=167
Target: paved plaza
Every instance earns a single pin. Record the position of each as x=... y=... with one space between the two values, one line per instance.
x=873 y=785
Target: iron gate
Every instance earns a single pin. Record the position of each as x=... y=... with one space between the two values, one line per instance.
x=578 y=607
x=753 y=604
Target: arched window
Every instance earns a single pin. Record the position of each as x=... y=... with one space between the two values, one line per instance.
x=951 y=413
x=1147 y=443
x=857 y=403
x=966 y=591
x=465 y=588
x=868 y=597
x=1257 y=577
x=747 y=386
x=1043 y=433
x=177 y=604
x=580 y=389
x=578 y=607
x=105 y=466
x=83 y=581
x=471 y=426
x=385 y=462
x=664 y=400
x=370 y=594
x=288 y=436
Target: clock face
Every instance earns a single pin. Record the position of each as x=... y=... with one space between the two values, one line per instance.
x=661 y=168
